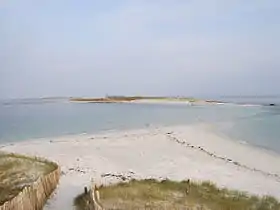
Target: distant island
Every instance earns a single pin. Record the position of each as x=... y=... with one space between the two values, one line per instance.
x=142 y=99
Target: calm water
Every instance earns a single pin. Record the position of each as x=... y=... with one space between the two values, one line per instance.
x=21 y=120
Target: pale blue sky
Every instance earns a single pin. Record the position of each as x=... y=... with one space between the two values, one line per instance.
x=131 y=47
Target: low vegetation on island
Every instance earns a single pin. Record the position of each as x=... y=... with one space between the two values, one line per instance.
x=116 y=99
x=153 y=194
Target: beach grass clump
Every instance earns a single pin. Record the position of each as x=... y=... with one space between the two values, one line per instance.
x=81 y=202
x=18 y=171
x=167 y=194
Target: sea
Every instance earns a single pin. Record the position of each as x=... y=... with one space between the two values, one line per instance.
x=251 y=120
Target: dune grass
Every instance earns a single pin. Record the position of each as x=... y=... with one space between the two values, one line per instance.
x=152 y=194
x=18 y=171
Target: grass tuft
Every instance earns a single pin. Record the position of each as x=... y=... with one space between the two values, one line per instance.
x=18 y=171
x=167 y=194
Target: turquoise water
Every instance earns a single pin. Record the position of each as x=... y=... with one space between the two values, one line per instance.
x=21 y=120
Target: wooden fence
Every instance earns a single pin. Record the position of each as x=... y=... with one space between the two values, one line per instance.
x=34 y=197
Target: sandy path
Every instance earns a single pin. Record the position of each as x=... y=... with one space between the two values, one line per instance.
x=177 y=153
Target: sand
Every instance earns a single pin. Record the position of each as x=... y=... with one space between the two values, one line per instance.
x=178 y=152
x=160 y=101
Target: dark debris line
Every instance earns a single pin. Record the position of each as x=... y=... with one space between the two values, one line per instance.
x=228 y=160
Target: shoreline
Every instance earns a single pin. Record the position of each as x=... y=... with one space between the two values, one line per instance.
x=104 y=132
x=163 y=100
x=136 y=100
x=174 y=152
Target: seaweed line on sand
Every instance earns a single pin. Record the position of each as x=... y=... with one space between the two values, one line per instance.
x=228 y=160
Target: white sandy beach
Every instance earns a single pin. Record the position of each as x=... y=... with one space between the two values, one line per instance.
x=177 y=152
x=158 y=101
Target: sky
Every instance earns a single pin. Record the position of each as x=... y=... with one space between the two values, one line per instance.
x=139 y=47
